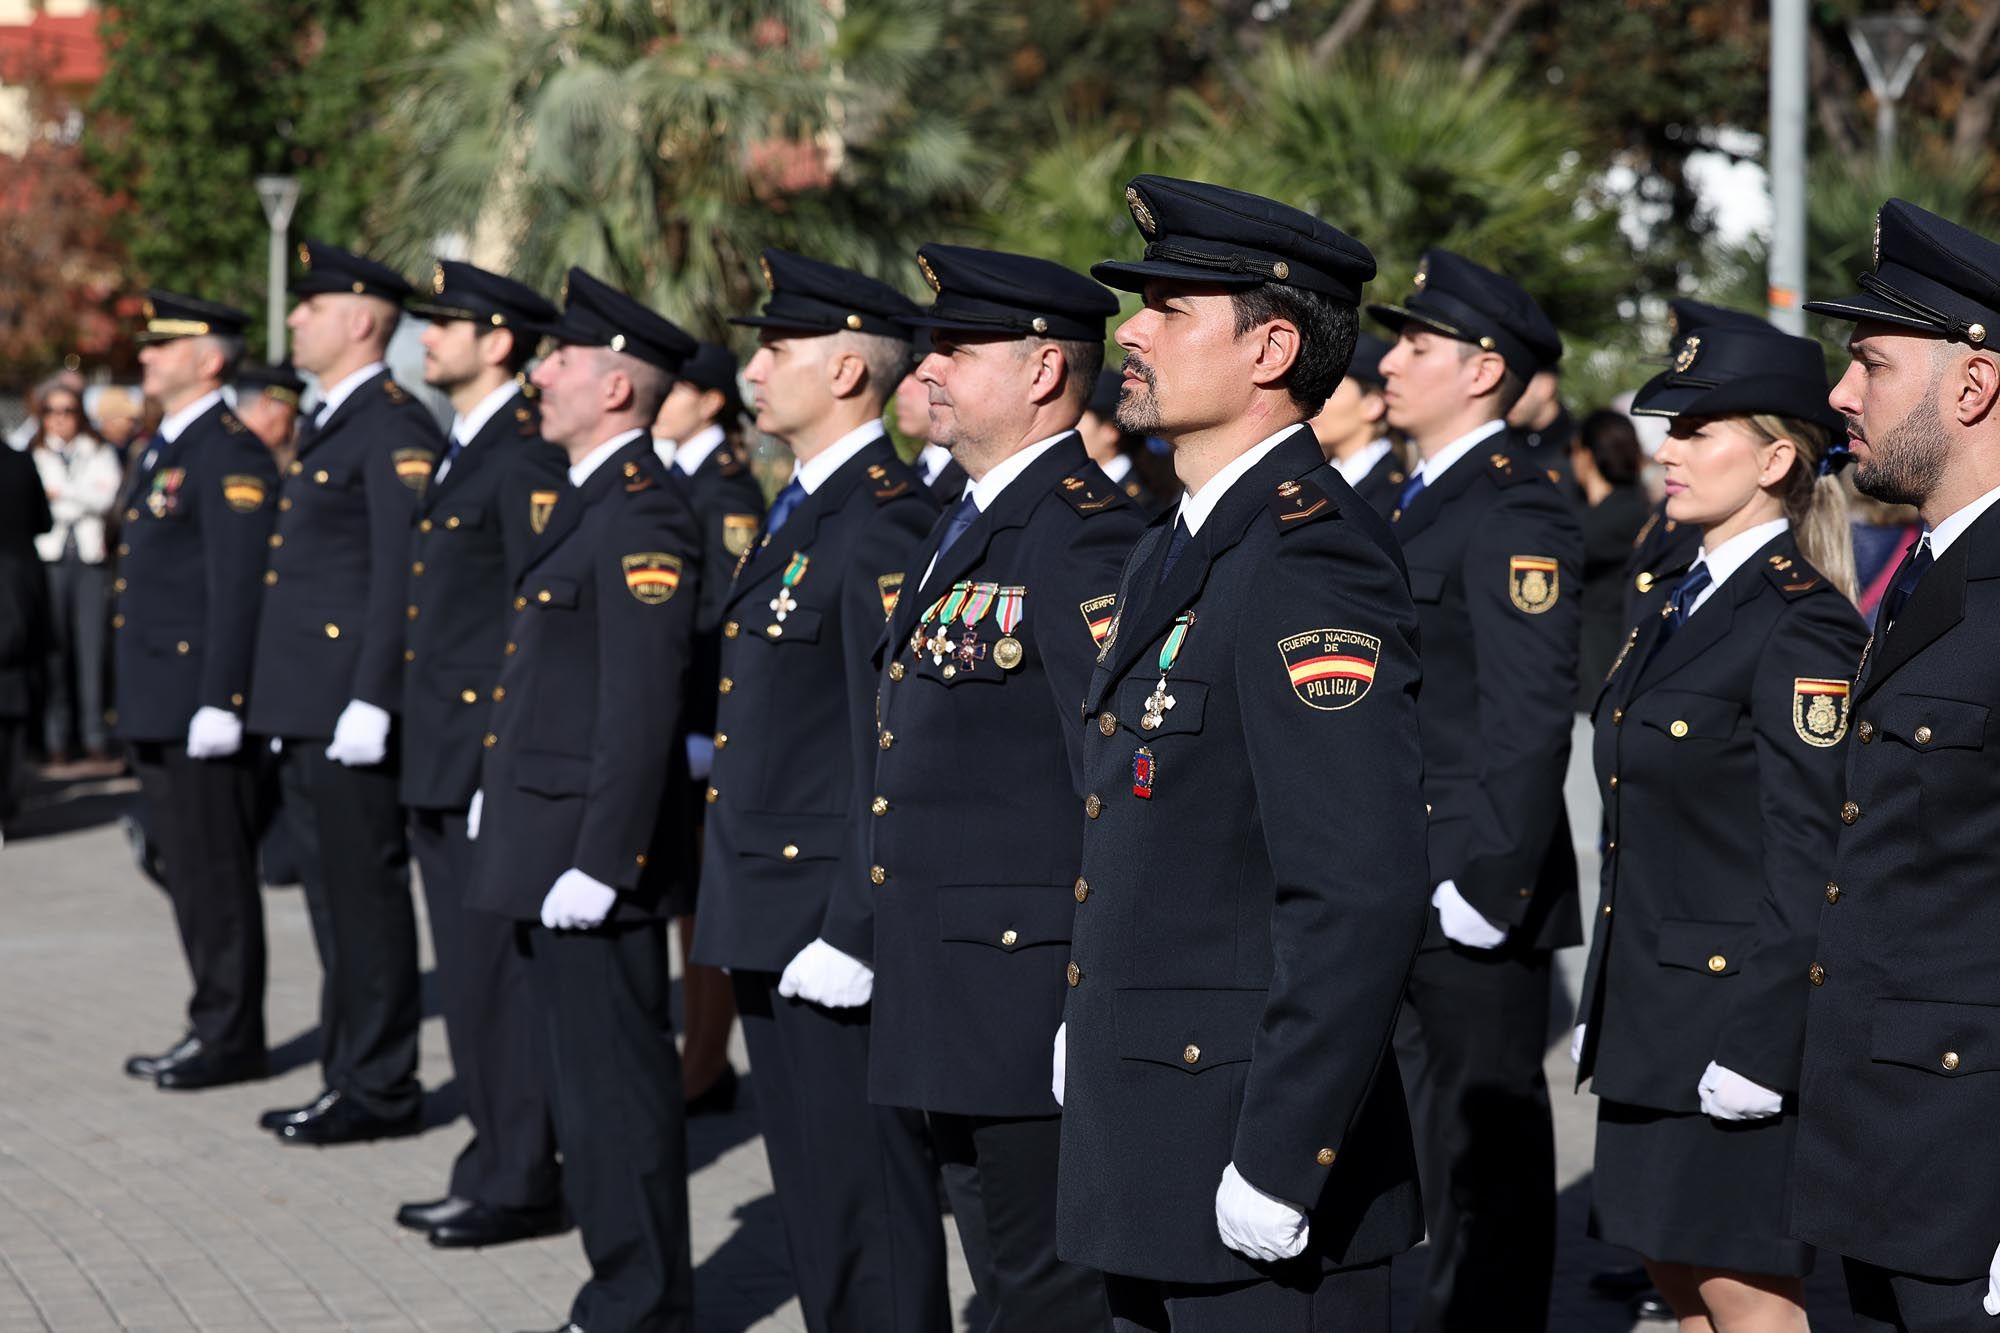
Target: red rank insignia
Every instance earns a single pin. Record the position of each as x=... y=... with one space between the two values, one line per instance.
x=1142 y=773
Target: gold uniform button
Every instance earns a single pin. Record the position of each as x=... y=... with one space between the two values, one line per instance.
x=277 y=540
x=499 y=693
x=1923 y=736
x=1866 y=731
x=469 y=696
x=1644 y=582
x=731 y=630
x=320 y=476
x=725 y=685
x=1324 y=1157
x=409 y=654
x=297 y=467
x=182 y=647
x=270 y=578
x=896 y=670
x=131 y=516
x=949 y=669
x=1607 y=909
x=1190 y=1053
x=1849 y=812
x=285 y=505
x=791 y=852
x=236 y=701
x=124 y=548
x=1716 y=962
x=887 y=739
x=880 y=805
x=416 y=567
x=639 y=860
x=490 y=741
x=1816 y=974
x=1617 y=716
x=410 y=611
x=721 y=740
x=451 y=522
x=425 y=526
x=512 y=648
x=118 y=586
x=877 y=875
x=1611 y=846
x=332 y=630
x=1008 y=938
x=1678 y=729
x=713 y=796
x=1093 y=805
x=1832 y=893
x=542 y=596
x=1107 y=724
x=1075 y=973
x=1949 y=1060
x=773 y=631
x=1082 y=888
x=520 y=603
x=1612 y=782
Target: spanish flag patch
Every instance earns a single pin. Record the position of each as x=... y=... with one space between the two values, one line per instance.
x=244 y=493
x=1331 y=669
x=652 y=576
x=1097 y=614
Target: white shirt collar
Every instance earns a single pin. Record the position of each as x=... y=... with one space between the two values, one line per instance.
x=579 y=473
x=691 y=455
x=171 y=427
x=987 y=489
x=812 y=473
x=1119 y=468
x=1729 y=557
x=1196 y=506
x=465 y=428
x=1948 y=529
x=331 y=400
x=1434 y=467
x=932 y=459
x=1354 y=468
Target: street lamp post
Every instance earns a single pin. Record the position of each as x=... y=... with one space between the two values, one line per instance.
x=279 y=195
x=1787 y=165
x=1889 y=47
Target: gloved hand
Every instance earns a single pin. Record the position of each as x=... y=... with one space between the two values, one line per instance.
x=214 y=733
x=577 y=902
x=701 y=756
x=1254 y=1223
x=1576 y=1045
x=1062 y=1057
x=361 y=736
x=823 y=975
x=1727 y=1095
x=1462 y=922
x=1992 y=1300
x=472 y=815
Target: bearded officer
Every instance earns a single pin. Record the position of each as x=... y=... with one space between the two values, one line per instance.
x=1235 y=1151
x=786 y=898
x=991 y=645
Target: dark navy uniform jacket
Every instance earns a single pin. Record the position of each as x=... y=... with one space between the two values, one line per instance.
x=783 y=860
x=1383 y=485
x=585 y=739
x=1719 y=753
x=972 y=814
x=1243 y=934
x=1662 y=548
x=188 y=591
x=473 y=534
x=1896 y=1162
x=334 y=614
x=1496 y=564
x=730 y=505
x=24 y=515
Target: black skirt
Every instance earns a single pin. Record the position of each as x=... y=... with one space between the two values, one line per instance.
x=1685 y=1189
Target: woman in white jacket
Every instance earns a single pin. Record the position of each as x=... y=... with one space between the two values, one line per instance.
x=81 y=475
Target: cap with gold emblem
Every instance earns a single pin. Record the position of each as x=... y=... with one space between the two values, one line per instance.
x=170 y=315
x=596 y=314
x=463 y=292
x=1728 y=370
x=1471 y=303
x=811 y=296
x=328 y=268
x=1929 y=274
x=280 y=381
x=1010 y=296
x=713 y=366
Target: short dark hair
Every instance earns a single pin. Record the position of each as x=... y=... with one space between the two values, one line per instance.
x=1613 y=445
x=1327 y=330
x=1082 y=359
x=1512 y=382
x=522 y=349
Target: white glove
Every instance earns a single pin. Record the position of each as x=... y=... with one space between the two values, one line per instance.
x=577 y=902
x=1576 y=1045
x=361 y=736
x=1462 y=922
x=1062 y=1057
x=214 y=733
x=472 y=815
x=701 y=756
x=1254 y=1223
x=1727 y=1095
x=823 y=975
x=1992 y=1301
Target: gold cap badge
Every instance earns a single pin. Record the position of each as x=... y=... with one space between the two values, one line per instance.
x=1140 y=213
x=1685 y=358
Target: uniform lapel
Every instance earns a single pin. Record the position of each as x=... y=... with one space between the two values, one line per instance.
x=1939 y=600
x=472 y=456
x=1710 y=625
x=803 y=524
x=571 y=508
x=1428 y=503
x=340 y=416
x=1010 y=509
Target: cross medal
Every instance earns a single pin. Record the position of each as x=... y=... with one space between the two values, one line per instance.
x=1157 y=704
x=1159 y=701
x=783 y=604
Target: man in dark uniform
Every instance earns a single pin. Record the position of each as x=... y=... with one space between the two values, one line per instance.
x=576 y=840
x=1495 y=554
x=696 y=434
x=1896 y=1168
x=330 y=650
x=1543 y=429
x=1235 y=1150
x=24 y=515
x=492 y=494
x=990 y=647
x=786 y=894
x=941 y=473
x=267 y=401
x=1353 y=430
x=192 y=548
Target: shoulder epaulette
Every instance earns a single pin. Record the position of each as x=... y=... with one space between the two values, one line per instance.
x=394 y=392
x=1790 y=577
x=1506 y=474
x=886 y=487
x=636 y=479
x=730 y=462
x=525 y=422
x=1296 y=503
x=232 y=423
x=1087 y=499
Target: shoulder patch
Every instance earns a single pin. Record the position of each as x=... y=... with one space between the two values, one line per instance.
x=541 y=505
x=1819 y=710
x=1330 y=669
x=244 y=493
x=1298 y=502
x=1087 y=499
x=1790 y=577
x=1534 y=582
x=738 y=531
x=413 y=467
x=651 y=576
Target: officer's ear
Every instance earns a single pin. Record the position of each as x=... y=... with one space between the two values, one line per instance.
x=1050 y=371
x=1278 y=346
x=847 y=372
x=1976 y=392
x=1486 y=372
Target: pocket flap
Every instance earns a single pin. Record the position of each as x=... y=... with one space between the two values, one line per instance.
x=1008 y=917
x=1686 y=716
x=1949 y=1040
x=1427 y=585
x=1923 y=722
x=801 y=624
x=1189 y=1030
x=1181 y=715
x=783 y=837
x=560 y=593
x=1715 y=948
x=547 y=774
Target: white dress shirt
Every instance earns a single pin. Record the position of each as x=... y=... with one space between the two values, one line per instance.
x=987 y=489
x=1948 y=529
x=1434 y=467
x=1119 y=468
x=1362 y=461
x=1731 y=556
x=465 y=428
x=812 y=473
x=932 y=460
x=330 y=402
x=579 y=472
x=1196 y=506
x=690 y=456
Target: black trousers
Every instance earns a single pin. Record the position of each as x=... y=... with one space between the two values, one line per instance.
x=615 y=1080
x=1470 y=1043
x=1001 y=1177
x=491 y=1025
x=348 y=828
x=857 y=1188
x=204 y=820
x=1884 y=1301
x=1343 y=1300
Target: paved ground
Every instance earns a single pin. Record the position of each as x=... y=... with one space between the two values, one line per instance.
x=126 y=1208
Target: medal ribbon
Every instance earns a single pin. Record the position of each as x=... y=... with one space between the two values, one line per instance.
x=980 y=602
x=1009 y=614
x=797 y=569
x=954 y=600
x=931 y=614
x=1170 y=651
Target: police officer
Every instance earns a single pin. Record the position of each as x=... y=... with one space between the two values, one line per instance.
x=196 y=517
x=267 y=401
x=1147 y=480
x=1495 y=555
x=1353 y=430
x=1895 y=1168
x=940 y=472
x=786 y=897
x=1235 y=1150
x=332 y=631
x=24 y=515
x=492 y=494
x=576 y=845
x=1719 y=750
x=696 y=433
x=991 y=645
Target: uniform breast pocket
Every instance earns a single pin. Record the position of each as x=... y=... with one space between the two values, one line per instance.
x=333 y=478
x=1707 y=948
x=1427 y=585
x=1192 y=1031
x=1010 y=918
x=1178 y=710
x=1945 y=741
x=1948 y=1040
x=553 y=593
x=801 y=624
x=1687 y=718
x=460 y=518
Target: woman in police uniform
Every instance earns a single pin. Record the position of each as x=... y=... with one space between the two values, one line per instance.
x=1718 y=752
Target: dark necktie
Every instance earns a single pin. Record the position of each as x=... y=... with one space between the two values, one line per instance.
x=1411 y=489
x=1906 y=582
x=451 y=452
x=1175 y=545
x=1681 y=605
x=961 y=519
x=781 y=508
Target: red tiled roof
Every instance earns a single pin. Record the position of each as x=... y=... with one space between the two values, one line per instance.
x=65 y=52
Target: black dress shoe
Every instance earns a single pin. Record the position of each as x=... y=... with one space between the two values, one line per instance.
x=208 y=1069
x=148 y=1066
x=1620 y=1284
x=1651 y=1305
x=280 y=1116
x=484 y=1225
x=424 y=1216
x=719 y=1099
x=344 y=1122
